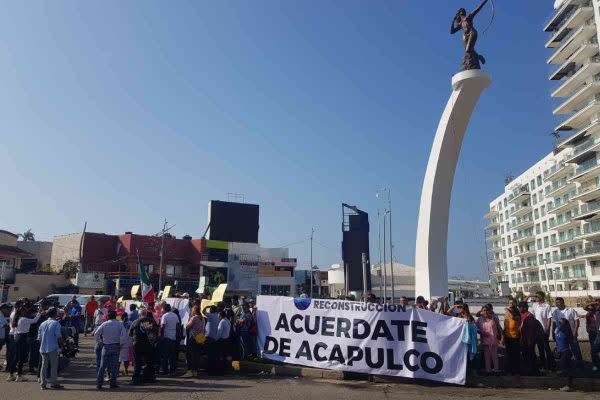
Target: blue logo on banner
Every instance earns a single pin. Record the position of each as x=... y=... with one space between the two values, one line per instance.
x=302 y=303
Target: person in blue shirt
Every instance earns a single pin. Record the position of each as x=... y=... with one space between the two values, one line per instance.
x=564 y=338
x=50 y=338
x=133 y=313
x=74 y=312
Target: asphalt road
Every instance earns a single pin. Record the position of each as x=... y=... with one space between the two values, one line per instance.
x=79 y=382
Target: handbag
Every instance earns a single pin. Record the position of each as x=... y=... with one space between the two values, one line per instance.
x=200 y=338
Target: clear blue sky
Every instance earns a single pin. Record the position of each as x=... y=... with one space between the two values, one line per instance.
x=123 y=113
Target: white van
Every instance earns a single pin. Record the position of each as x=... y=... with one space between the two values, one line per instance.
x=61 y=300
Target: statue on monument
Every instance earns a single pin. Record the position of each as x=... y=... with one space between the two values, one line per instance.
x=463 y=21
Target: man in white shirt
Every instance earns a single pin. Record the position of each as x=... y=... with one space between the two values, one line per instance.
x=111 y=335
x=223 y=342
x=562 y=311
x=168 y=332
x=542 y=311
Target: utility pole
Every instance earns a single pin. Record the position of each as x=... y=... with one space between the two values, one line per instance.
x=312 y=232
x=162 y=252
x=379 y=248
x=364 y=271
x=383 y=266
x=391 y=246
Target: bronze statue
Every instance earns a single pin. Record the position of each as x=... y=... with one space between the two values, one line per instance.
x=464 y=22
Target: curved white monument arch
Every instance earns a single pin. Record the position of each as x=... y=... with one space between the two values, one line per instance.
x=431 y=269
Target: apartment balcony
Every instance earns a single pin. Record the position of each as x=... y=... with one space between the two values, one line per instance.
x=568 y=240
x=557 y=190
x=588 y=193
x=585 y=150
x=521 y=194
x=569 y=277
x=494 y=249
x=520 y=210
x=558 y=171
x=591 y=231
x=586 y=170
x=493 y=237
x=495 y=261
x=528 y=252
x=491 y=214
x=559 y=206
x=581 y=116
x=498 y=273
x=562 y=15
x=524 y=238
x=578 y=76
x=575 y=62
x=589 y=210
x=564 y=258
x=493 y=225
x=522 y=224
x=572 y=41
x=573 y=19
x=581 y=94
x=526 y=265
x=565 y=222
x=586 y=131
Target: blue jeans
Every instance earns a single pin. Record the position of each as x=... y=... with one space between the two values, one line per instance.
x=110 y=362
x=98 y=351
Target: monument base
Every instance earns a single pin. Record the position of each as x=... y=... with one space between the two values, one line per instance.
x=431 y=268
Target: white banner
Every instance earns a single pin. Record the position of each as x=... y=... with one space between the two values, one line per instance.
x=362 y=337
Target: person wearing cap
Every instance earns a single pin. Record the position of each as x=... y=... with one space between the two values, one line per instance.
x=50 y=338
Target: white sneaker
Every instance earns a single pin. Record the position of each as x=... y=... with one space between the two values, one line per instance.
x=10 y=378
x=20 y=378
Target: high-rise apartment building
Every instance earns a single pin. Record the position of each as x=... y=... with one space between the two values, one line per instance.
x=544 y=230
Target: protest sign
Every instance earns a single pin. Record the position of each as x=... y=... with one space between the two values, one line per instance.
x=362 y=337
x=134 y=291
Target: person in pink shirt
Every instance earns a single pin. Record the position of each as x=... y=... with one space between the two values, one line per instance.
x=490 y=333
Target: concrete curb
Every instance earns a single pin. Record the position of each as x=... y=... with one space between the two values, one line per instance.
x=521 y=382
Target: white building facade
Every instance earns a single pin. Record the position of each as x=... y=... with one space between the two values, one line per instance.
x=543 y=232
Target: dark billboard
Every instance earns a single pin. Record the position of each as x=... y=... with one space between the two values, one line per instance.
x=233 y=222
x=355 y=242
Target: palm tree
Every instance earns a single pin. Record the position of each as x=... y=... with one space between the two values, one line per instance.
x=28 y=236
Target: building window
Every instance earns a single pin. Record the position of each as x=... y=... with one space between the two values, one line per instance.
x=544 y=226
x=543 y=275
x=536 y=213
x=543 y=210
x=532 y=185
x=539 y=180
x=174 y=270
x=538 y=229
x=275 y=290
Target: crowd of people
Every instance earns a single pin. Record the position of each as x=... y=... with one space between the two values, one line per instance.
x=524 y=333
x=150 y=336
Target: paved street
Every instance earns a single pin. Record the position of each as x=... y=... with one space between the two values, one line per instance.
x=79 y=383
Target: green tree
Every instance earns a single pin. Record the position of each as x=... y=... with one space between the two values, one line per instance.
x=28 y=236
x=70 y=269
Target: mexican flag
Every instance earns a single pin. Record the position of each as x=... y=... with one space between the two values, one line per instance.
x=147 y=290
